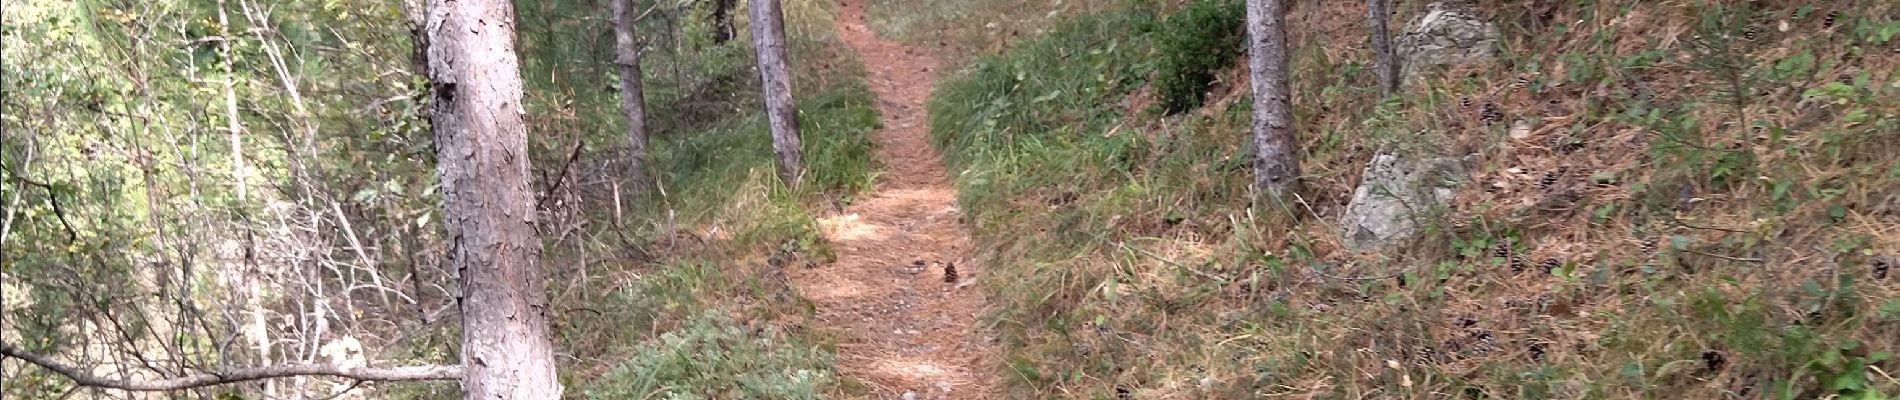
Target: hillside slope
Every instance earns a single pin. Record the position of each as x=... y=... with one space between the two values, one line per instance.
x=1653 y=200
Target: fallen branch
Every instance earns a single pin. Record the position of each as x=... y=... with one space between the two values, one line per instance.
x=82 y=378
x=1323 y=274
x=1736 y=259
x=1686 y=224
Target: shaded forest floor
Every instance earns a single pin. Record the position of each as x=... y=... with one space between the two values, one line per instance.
x=897 y=289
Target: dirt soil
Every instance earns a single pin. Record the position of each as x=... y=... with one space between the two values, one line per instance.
x=911 y=324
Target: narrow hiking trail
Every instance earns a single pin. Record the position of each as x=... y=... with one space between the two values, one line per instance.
x=910 y=329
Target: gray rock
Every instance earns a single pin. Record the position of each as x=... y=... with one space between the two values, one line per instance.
x=1444 y=35
x=1521 y=129
x=1393 y=193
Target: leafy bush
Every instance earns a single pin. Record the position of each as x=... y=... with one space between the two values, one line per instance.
x=1192 y=44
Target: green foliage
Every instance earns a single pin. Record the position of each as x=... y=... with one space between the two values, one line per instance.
x=1193 y=44
x=714 y=167
x=835 y=123
x=713 y=357
x=958 y=31
x=835 y=126
x=1842 y=370
x=1000 y=105
x=124 y=171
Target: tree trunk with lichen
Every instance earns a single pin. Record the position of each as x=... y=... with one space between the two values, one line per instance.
x=1377 y=12
x=482 y=156
x=1276 y=164
x=633 y=103
x=768 y=39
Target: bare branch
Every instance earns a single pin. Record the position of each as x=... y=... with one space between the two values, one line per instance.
x=571 y=158
x=82 y=378
x=1736 y=259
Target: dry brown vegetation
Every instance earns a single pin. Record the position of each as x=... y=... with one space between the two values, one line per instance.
x=1701 y=209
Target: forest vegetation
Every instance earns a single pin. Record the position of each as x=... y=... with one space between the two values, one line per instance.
x=950 y=199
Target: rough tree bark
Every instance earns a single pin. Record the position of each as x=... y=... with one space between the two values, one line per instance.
x=768 y=39
x=1276 y=165
x=1377 y=12
x=633 y=101
x=482 y=156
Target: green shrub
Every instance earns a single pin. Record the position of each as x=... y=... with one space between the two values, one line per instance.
x=1192 y=44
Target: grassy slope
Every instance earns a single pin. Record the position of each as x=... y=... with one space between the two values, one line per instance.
x=1149 y=273
x=704 y=315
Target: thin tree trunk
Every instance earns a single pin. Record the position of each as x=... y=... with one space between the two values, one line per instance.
x=1377 y=12
x=230 y=104
x=722 y=21
x=768 y=39
x=1277 y=165
x=245 y=288
x=482 y=156
x=633 y=101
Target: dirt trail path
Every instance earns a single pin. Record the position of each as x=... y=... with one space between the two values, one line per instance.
x=910 y=330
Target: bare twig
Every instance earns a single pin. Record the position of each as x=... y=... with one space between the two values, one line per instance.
x=13 y=206
x=361 y=256
x=82 y=378
x=1686 y=224
x=346 y=390
x=72 y=235
x=1741 y=259
x=556 y=186
x=1323 y=274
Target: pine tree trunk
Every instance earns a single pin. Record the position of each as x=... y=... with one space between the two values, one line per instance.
x=633 y=101
x=1277 y=165
x=768 y=39
x=1377 y=12
x=481 y=152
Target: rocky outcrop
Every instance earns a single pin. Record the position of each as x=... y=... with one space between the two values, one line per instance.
x=1393 y=193
x=1444 y=35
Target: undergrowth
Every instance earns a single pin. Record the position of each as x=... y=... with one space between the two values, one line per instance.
x=1193 y=44
x=1703 y=208
x=713 y=351
x=958 y=31
x=680 y=294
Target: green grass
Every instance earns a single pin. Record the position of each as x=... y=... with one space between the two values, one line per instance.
x=703 y=315
x=958 y=31
x=711 y=356
x=1148 y=272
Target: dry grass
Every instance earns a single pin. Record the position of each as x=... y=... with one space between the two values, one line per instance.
x=1691 y=255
